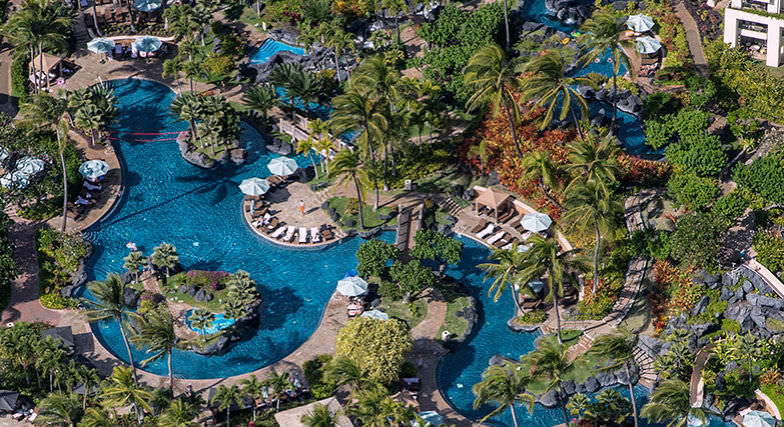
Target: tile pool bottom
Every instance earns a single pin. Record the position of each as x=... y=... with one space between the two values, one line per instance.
x=270 y=48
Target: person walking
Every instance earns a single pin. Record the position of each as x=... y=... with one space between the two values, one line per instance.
x=302 y=207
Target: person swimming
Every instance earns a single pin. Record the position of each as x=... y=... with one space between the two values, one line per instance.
x=132 y=246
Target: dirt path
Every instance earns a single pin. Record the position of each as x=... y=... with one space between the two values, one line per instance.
x=693 y=38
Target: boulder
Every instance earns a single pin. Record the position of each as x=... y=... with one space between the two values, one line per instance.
x=701 y=329
x=631 y=104
x=652 y=346
x=747 y=286
x=499 y=360
x=201 y=295
x=763 y=301
x=568 y=387
x=606 y=379
x=350 y=223
x=591 y=385
x=700 y=306
x=130 y=297
x=238 y=156
x=450 y=219
x=622 y=377
x=549 y=399
x=219 y=346
x=586 y=91
x=127 y=277
x=579 y=388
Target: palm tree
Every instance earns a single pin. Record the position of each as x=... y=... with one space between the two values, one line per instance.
x=305 y=146
x=20 y=344
x=492 y=79
x=88 y=377
x=618 y=346
x=373 y=407
x=320 y=416
x=670 y=402
x=193 y=69
x=339 y=40
x=505 y=268
x=284 y=76
x=49 y=358
x=121 y=389
x=165 y=255
x=590 y=159
x=603 y=32
x=155 y=332
x=304 y=86
x=59 y=410
x=355 y=109
x=178 y=414
x=279 y=383
x=110 y=304
x=322 y=143
x=550 y=361
x=98 y=417
x=261 y=99
x=133 y=263
x=395 y=8
x=88 y=118
x=589 y=204
x=172 y=68
x=505 y=386
x=188 y=107
x=344 y=371
x=539 y=166
x=201 y=319
x=347 y=166
x=225 y=397
x=254 y=388
x=547 y=83
x=546 y=259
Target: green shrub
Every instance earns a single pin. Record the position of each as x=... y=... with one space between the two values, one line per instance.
x=700 y=154
x=692 y=191
x=8 y=269
x=532 y=317
x=770 y=251
x=730 y=206
x=730 y=326
x=20 y=77
x=373 y=256
x=765 y=176
x=54 y=301
x=314 y=375
x=657 y=105
x=650 y=243
x=59 y=255
x=352 y=206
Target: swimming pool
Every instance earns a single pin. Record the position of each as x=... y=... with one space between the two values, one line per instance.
x=197 y=210
x=219 y=323
x=270 y=47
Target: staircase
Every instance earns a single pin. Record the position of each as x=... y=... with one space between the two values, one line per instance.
x=447 y=203
x=80 y=31
x=645 y=363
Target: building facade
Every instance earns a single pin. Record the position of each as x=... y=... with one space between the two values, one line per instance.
x=757 y=26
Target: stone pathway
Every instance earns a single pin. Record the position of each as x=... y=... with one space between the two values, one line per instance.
x=435 y=317
x=693 y=38
x=697 y=385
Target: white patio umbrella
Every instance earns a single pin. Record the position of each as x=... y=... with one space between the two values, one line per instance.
x=639 y=23
x=282 y=166
x=758 y=419
x=536 y=222
x=692 y=421
x=3 y=154
x=16 y=179
x=647 y=45
x=147 y=5
x=30 y=165
x=147 y=44
x=431 y=418
x=100 y=45
x=254 y=187
x=93 y=169
x=375 y=314
x=352 y=286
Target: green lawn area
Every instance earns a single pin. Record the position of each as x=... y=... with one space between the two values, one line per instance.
x=454 y=324
x=774 y=393
x=371 y=217
x=171 y=290
x=400 y=310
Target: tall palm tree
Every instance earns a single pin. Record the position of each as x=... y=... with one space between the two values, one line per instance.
x=356 y=110
x=550 y=361
x=110 y=304
x=344 y=371
x=505 y=268
x=322 y=142
x=320 y=416
x=58 y=410
x=373 y=407
x=254 y=388
x=178 y=414
x=165 y=255
x=88 y=377
x=305 y=146
x=539 y=166
x=347 y=166
x=278 y=383
x=155 y=332
x=339 y=40
x=306 y=87
x=592 y=159
x=588 y=204
x=49 y=359
x=95 y=416
x=546 y=83
x=261 y=99
x=188 y=107
x=225 y=397
x=670 y=402
x=121 y=389
x=201 y=319
x=618 y=346
x=546 y=259
x=133 y=263
x=492 y=78
x=193 y=69
x=603 y=32
x=505 y=386
x=88 y=118
x=18 y=343
x=172 y=68
x=283 y=76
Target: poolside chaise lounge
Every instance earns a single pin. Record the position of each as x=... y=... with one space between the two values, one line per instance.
x=486 y=232
x=315 y=236
x=303 y=235
x=289 y=233
x=327 y=233
x=482 y=224
x=496 y=237
x=279 y=232
x=274 y=222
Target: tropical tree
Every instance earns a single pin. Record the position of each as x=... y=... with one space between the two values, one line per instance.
x=109 y=303
x=505 y=268
x=304 y=86
x=261 y=99
x=202 y=319
x=321 y=141
x=95 y=416
x=550 y=361
x=373 y=407
x=750 y=348
x=305 y=146
x=670 y=402
x=225 y=397
x=121 y=389
x=506 y=386
x=588 y=204
x=59 y=410
x=347 y=166
x=339 y=40
x=546 y=83
x=88 y=377
x=133 y=263
x=88 y=118
x=539 y=166
x=193 y=69
x=618 y=346
x=19 y=343
x=254 y=388
x=345 y=371
x=320 y=416
x=288 y=77
x=187 y=107
x=49 y=358
x=590 y=159
x=395 y=8
x=178 y=414
x=492 y=78
x=154 y=331
x=603 y=32
x=165 y=256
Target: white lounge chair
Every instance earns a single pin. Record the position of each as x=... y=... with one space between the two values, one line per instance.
x=496 y=237
x=315 y=236
x=303 y=235
x=290 y=233
x=486 y=232
x=279 y=232
x=507 y=246
x=526 y=235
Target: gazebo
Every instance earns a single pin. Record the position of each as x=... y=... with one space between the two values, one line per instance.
x=49 y=63
x=293 y=417
x=493 y=199
x=63 y=334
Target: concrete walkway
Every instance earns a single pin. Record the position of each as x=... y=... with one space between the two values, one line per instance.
x=693 y=38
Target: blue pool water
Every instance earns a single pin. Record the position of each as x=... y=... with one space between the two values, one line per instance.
x=271 y=47
x=167 y=199
x=319 y=110
x=219 y=323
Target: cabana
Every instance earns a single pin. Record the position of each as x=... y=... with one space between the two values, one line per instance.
x=493 y=199
x=50 y=62
x=293 y=417
x=63 y=334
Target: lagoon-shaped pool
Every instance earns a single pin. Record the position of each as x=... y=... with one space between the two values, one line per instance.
x=270 y=47
x=219 y=323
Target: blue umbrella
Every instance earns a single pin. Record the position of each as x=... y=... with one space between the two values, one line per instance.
x=147 y=44
x=758 y=419
x=100 y=45
x=93 y=169
x=30 y=165
x=639 y=23
x=282 y=166
x=147 y=5
x=352 y=286
x=647 y=45
x=375 y=314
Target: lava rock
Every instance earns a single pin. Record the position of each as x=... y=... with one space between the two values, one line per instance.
x=701 y=329
x=591 y=385
x=568 y=387
x=130 y=297
x=238 y=156
x=652 y=346
x=622 y=377
x=700 y=306
x=606 y=379
x=549 y=399
x=499 y=360
x=350 y=223
x=220 y=346
x=201 y=295
x=469 y=194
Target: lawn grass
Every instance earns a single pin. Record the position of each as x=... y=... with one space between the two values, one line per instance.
x=400 y=310
x=456 y=326
x=774 y=393
x=171 y=290
x=371 y=218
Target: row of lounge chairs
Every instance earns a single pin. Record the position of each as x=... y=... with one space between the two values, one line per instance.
x=88 y=197
x=266 y=223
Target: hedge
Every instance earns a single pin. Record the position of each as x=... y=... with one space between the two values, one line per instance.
x=20 y=65
x=8 y=269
